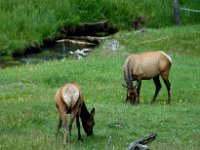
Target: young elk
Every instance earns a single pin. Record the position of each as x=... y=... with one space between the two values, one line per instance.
x=145 y=66
x=69 y=100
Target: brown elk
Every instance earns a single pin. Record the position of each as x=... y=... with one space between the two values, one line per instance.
x=145 y=66
x=69 y=100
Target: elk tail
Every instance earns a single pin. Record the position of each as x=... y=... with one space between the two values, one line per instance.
x=128 y=76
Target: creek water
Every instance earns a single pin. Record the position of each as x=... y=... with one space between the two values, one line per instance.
x=59 y=50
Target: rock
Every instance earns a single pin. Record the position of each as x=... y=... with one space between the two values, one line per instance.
x=112 y=45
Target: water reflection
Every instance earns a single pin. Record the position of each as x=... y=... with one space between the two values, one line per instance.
x=59 y=51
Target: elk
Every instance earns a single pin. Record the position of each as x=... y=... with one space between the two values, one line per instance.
x=69 y=100
x=146 y=66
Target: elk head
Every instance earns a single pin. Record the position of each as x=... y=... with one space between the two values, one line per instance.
x=131 y=94
x=89 y=123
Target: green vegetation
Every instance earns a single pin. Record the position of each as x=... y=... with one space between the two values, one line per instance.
x=28 y=115
x=27 y=23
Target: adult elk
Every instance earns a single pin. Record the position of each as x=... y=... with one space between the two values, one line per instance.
x=145 y=66
x=69 y=100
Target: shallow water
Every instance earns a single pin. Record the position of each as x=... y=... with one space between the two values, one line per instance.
x=60 y=50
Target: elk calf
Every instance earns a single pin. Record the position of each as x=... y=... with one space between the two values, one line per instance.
x=145 y=66
x=69 y=100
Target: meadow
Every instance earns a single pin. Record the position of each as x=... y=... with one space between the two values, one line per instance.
x=28 y=116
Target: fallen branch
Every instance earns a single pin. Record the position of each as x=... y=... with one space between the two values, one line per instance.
x=140 y=143
x=91 y=39
x=76 y=42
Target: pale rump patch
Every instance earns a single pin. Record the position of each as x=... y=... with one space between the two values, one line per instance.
x=167 y=56
x=70 y=95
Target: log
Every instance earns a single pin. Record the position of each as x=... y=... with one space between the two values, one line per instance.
x=76 y=42
x=140 y=143
x=90 y=39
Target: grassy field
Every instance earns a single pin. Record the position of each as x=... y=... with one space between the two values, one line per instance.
x=28 y=116
x=40 y=20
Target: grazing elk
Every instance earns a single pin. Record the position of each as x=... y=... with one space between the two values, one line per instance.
x=69 y=100
x=145 y=66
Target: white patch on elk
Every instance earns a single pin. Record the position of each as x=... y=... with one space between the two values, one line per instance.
x=70 y=95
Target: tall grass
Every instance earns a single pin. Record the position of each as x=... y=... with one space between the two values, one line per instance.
x=28 y=115
x=27 y=23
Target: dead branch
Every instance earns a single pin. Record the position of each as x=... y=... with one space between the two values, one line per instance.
x=140 y=143
x=90 y=39
x=76 y=42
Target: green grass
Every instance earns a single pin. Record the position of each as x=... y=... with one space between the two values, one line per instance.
x=27 y=23
x=28 y=115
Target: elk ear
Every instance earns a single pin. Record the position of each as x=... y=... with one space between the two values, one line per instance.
x=124 y=85
x=93 y=111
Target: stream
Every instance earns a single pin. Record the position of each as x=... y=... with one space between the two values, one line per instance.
x=93 y=32
x=59 y=50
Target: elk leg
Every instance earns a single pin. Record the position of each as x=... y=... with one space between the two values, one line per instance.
x=168 y=85
x=139 y=82
x=78 y=126
x=58 y=127
x=64 y=120
x=127 y=96
x=156 y=81
x=72 y=117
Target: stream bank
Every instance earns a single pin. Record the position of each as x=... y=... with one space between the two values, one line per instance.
x=81 y=39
